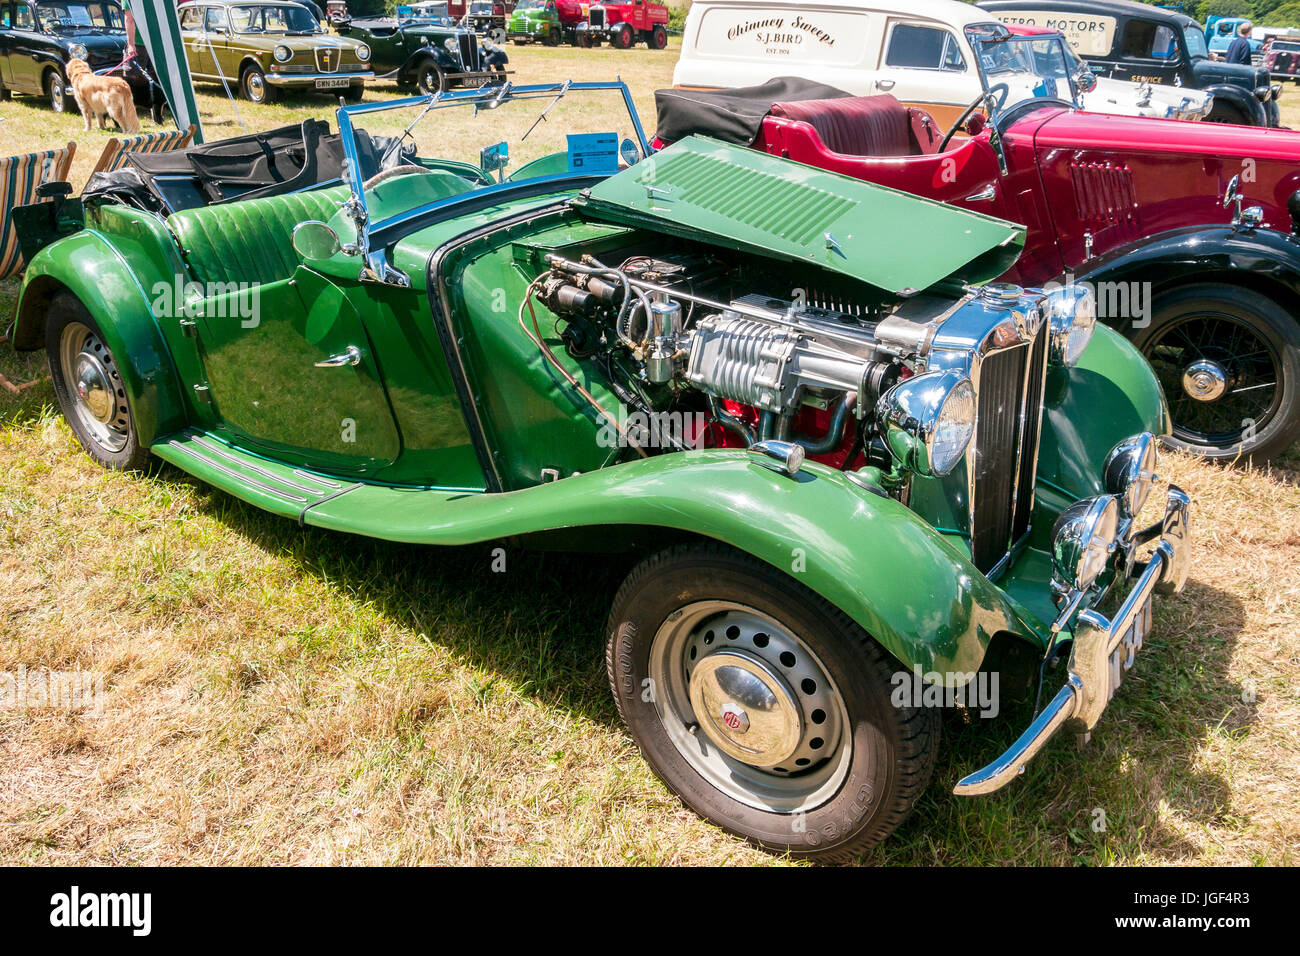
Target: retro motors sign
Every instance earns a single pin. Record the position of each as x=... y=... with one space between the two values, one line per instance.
x=1089 y=35
x=798 y=35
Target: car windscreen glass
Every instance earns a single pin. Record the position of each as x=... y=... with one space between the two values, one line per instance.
x=453 y=145
x=1016 y=69
x=70 y=17
x=1196 y=45
x=531 y=5
x=288 y=19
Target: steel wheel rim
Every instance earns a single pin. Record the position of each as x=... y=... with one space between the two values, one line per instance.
x=94 y=387
x=431 y=80
x=256 y=87
x=715 y=646
x=58 y=95
x=1190 y=355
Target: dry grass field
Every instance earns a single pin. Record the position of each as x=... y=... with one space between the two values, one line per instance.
x=281 y=695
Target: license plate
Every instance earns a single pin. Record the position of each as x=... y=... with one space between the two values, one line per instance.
x=333 y=84
x=474 y=82
x=1126 y=651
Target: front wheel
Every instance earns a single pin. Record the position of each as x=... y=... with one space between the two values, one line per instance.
x=88 y=384
x=552 y=37
x=1228 y=360
x=622 y=38
x=765 y=709
x=430 y=78
x=1227 y=113
x=256 y=89
x=56 y=91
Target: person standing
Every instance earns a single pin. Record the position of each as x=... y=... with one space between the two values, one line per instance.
x=1239 y=49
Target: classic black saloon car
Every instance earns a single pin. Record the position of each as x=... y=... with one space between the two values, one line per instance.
x=37 y=39
x=1145 y=44
x=424 y=47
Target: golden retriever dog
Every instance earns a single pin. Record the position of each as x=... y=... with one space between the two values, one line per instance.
x=102 y=96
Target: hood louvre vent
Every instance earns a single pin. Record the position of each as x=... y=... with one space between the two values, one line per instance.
x=1104 y=194
x=798 y=211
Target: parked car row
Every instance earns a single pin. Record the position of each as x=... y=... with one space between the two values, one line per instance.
x=622 y=25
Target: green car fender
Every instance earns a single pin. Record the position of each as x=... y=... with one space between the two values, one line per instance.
x=1110 y=395
x=873 y=558
x=121 y=300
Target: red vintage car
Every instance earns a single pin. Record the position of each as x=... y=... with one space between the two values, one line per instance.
x=1188 y=233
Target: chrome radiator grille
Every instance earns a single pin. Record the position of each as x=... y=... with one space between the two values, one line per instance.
x=469 y=52
x=1007 y=427
x=327 y=59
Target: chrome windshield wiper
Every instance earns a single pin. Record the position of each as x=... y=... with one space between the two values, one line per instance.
x=551 y=105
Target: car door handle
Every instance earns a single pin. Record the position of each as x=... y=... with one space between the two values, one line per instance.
x=885 y=84
x=351 y=357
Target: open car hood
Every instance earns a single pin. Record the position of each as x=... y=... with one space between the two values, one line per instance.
x=737 y=197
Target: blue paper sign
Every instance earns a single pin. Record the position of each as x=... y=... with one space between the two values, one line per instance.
x=595 y=153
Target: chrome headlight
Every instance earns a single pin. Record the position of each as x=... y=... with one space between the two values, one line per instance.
x=450 y=44
x=1130 y=471
x=363 y=52
x=1072 y=312
x=1082 y=541
x=282 y=53
x=78 y=51
x=928 y=421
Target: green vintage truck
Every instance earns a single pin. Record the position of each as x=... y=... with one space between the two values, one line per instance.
x=848 y=471
x=260 y=49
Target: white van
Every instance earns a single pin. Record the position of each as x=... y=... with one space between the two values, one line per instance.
x=917 y=50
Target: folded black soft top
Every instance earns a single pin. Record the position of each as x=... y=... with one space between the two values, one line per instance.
x=733 y=116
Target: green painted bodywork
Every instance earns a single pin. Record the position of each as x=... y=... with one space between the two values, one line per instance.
x=703 y=188
x=274 y=429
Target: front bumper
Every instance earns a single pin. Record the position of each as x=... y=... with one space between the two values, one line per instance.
x=291 y=80
x=1096 y=662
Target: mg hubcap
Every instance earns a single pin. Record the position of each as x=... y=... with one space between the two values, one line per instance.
x=750 y=707
x=98 y=396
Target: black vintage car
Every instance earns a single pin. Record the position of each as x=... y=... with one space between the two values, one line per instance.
x=1145 y=44
x=39 y=37
x=424 y=47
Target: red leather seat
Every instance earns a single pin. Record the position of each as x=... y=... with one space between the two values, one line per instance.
x=865 y=125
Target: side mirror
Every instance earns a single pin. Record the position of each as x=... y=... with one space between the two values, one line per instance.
x=1086 y=81
x=315 y=240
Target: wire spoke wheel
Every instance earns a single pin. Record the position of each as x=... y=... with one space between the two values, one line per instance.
x=750 y=706
x=1221 y=378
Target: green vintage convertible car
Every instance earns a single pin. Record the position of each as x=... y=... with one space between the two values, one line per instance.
x=859 y=479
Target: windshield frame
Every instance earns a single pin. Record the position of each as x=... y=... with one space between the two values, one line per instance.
x=373 y=238
x=55 y=28
x=1075 y=100
x=262 y=8
x=1200 y=53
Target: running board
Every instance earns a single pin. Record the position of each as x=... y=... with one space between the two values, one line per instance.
x=278 y=488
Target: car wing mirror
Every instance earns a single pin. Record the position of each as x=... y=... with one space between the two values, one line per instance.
x=495 y=158
x=315 y=240
x=1086 y=81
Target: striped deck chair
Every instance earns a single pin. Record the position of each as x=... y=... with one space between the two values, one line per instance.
x=19 y=177
x=115 y=150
